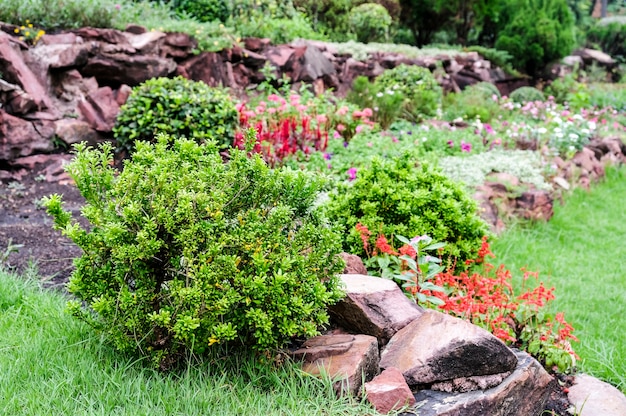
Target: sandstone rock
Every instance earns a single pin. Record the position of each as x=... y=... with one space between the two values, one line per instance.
x=279 y=56
x=59 y=38
x=100 y=109
x=62 y=55
x=19 y=137
x=348 y=358
x=75 y=131
x=111 y=36
x=177 y=45
x=586 y=159
x=136 y=29
x=374 y=306
x=253 y=60
x=256 y=44
x=207 y=67
x=465 y=384
x=311 y=65
x=592 y=397
x=523 y=393
x=354 y=264
x=15 y=100
x=438 y=347
x=15 y=71
x=146 y=42
x=591 y=55
x=573 y=61
x=534 y=204
x=119 y=68
x=388 y=391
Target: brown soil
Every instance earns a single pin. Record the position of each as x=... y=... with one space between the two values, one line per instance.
x=25 y=223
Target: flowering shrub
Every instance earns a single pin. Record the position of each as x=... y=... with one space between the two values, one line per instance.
x=485 y=296
x=186 y=252
x=298 y=124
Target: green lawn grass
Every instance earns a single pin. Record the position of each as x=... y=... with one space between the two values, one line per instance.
x=52 y=364
x=582 y=252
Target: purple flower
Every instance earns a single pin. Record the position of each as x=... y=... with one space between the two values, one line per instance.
x=450 y=143
x=488 y=128
x=329 y=166
x=345 y=144
x=351 y=174
x=466 y=147
x=328 y=156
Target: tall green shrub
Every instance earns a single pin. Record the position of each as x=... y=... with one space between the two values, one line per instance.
x=176 y=106
x=537 y=33
x=396 y=197
x=370 y=22
x=185 y=252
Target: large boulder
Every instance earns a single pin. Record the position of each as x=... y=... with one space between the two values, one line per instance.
x=373 y=306
x=437 y=347
x=122 y=68
x=19 y=137
x=592 y=397
x=523 y=393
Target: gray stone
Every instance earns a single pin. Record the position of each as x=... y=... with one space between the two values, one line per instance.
x=592 y=397
x=373 y=306
x=349 y=359
x=523 y=393
x=438 y=347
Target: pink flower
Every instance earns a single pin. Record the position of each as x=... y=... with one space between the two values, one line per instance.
x=395 y=139
x=273 y=97
x=450 y=143
x=343 y=111
x=351 y=174
x=367 y=112
x=271 y=110
x=340 y=127
x=357 y=114
x=239 y=106
x=488 y=128
x=369 y=144
x=118 y=7
x=359 y=128
x=336 y=134
x=321 y=119
x=466 y=147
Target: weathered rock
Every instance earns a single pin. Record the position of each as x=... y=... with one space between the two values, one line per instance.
x=120 y=68
x=465 y=384
x=100 y=109
x=75 y=131
x=15 y=71
x=348 y=358
x=52 y=167
x=374 y=306
x=591 y=55
x=592 y=397
x=438 y=347
x=16 y=100
x=279 y=55
x=388 y=391
x=62 y=55
x=19 y=137
x=256 y=44
x=354 y=264
x=534 y=204
x=587 y=161
x=207 y=67
x=523 y=393
x=312 y=65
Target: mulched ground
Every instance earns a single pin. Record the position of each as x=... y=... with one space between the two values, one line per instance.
x=24 y=222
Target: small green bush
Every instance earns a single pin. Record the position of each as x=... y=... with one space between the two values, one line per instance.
x=203 y=10
x=370 y=22
x=179 y=107
x=185 y=252
x=386 y=104
x=396 y=197
x=475 y=101
x=418 y=85
x=525 y=94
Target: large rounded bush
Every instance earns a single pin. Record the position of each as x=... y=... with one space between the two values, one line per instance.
x=396 y=197
x=526 y=94
x=179 y=107
x=422 y=93
x=370 y=22
x=203 y=10
x=185 y=252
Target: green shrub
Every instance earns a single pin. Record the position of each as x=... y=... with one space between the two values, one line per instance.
x=185 y=252
x=385 y=103
x=525 y=94
x=203 y=10
x=395 y=197
x=179 y=107
x=537 y=33
x=422 y=93
x=563 y=88
x=370 y=22
x=609 y=37
x=497 y=57
x=475 y=101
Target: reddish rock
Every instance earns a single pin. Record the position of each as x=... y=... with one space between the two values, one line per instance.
x=388 y=391
x=62 y=56
x=102 y=35
x=122 y=94
x=15 y=100
x=74 y=131
x=100 y=109
x=349 y=359
x=592 y=397
x=354 y=264
x=136 y=29
x=374 y=306
x=256 y=44
x=15 y=71
x=19 y=137
x=253 y=60
x=132 y=70
x=60 y=38
x=310 y=65
x=207 y=67
x=279 y=56
x=438 y=347
x=177 y=45
x=534 y=204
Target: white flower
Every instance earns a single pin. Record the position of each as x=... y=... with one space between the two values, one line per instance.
x=573 y=136
x=557 y=130
x=592 y=125
x=380 y=94
x=424 y=139
x=542 y=130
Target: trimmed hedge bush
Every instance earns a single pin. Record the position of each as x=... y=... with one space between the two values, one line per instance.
x=526 y=94
x=176 y=106
x=185 y=253
x=396 y=197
